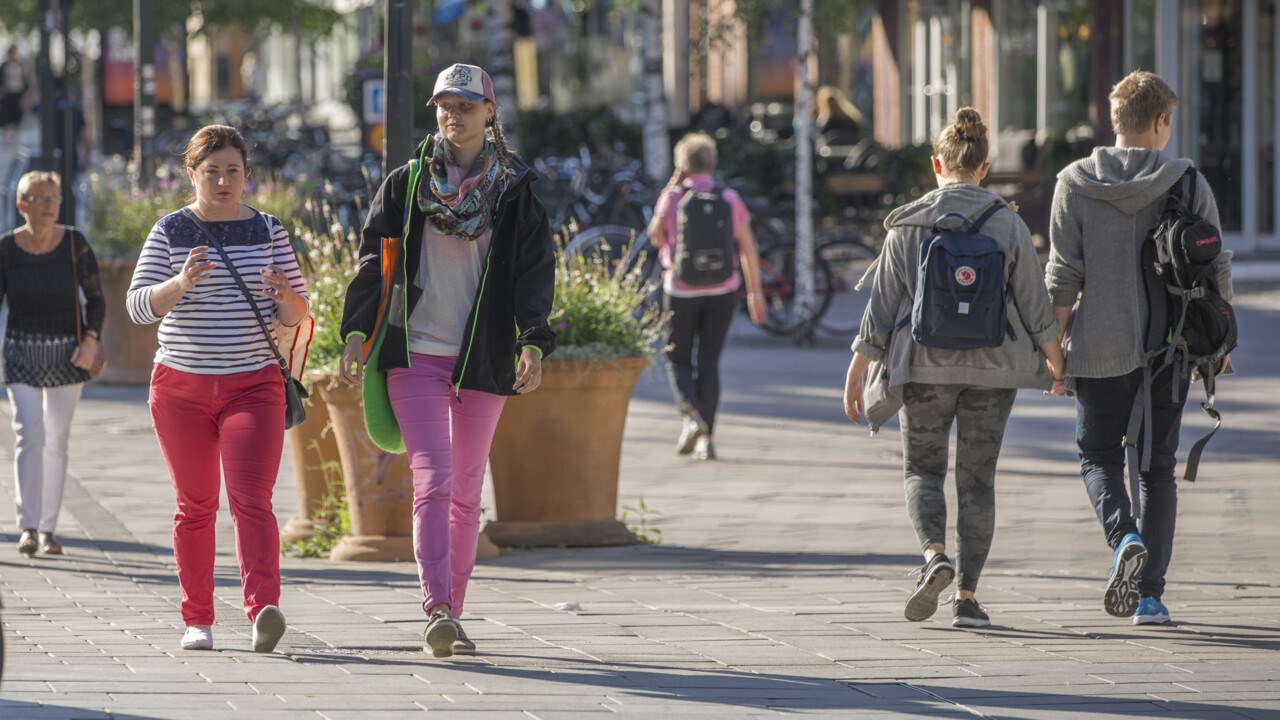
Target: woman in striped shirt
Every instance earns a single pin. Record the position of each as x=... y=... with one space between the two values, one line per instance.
x=216 y=391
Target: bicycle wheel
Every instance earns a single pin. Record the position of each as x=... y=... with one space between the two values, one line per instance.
x=848 y=259
x=620 y=249
x=777 y=280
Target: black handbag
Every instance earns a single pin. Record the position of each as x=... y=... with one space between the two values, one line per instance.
x=295 y=413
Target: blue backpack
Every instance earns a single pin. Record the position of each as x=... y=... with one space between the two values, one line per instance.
x=960 y=290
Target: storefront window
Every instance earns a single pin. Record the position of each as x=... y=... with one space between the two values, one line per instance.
x=1212 y=99
x=1015 y=97
x=1141 y=53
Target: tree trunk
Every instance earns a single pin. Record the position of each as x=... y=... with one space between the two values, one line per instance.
x=804 y=171
x=501 y=26
x=657 y=141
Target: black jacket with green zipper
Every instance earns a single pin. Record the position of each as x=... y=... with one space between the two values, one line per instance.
x=512 y=302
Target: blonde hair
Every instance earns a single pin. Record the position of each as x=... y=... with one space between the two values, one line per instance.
x=833 y=103
x=38 y=177
x=695 y=153
x=962 y=146
x=1137 y=100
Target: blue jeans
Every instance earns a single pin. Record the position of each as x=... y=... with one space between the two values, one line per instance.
x=1102 y=417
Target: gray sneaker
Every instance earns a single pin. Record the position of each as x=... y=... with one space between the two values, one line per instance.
x=442 y=632
x=268 y=628
x=463 y=645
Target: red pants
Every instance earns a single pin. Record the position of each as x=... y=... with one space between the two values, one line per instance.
x=239 y=419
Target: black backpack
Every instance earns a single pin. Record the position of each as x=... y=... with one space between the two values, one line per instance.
x=705 y=244
x=1189 y=325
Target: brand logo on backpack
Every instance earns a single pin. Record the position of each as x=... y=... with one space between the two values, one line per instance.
x=704 y=243
x=960 y=290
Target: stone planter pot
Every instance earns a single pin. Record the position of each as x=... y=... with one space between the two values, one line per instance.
x=556 y=454
x=379 y=485
x=313 y=444
x=130 y=348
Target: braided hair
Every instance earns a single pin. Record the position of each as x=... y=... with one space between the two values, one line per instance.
x=499 y=140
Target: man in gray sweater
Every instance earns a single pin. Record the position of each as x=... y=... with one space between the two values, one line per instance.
x=1103 y=207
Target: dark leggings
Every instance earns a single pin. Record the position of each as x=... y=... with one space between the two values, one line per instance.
x=703 y=321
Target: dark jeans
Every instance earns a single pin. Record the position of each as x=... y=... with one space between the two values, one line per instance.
x=703 y=321
x=1102 y=417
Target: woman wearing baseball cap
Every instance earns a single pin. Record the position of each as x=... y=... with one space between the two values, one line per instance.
x=447 y=316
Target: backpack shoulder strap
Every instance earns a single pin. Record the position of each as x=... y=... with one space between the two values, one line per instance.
x=985 y=216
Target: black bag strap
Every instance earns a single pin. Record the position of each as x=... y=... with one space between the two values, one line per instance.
x=75 y=284
x=248 y=295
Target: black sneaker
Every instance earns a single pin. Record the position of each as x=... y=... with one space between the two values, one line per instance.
x=968 y=613
x=441 y=634
x=935 y=576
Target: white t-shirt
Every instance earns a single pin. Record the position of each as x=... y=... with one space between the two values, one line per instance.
x=449 y=273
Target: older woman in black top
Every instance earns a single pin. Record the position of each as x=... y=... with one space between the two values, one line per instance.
x=44 y=267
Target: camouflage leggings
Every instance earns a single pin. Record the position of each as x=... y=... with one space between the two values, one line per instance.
x=980 y=415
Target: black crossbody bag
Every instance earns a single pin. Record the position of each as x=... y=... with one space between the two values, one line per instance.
x=294 y=411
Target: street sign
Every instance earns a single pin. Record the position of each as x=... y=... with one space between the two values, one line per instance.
x=375 y=101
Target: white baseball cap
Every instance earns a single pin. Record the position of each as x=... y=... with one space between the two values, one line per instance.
x=468 y=81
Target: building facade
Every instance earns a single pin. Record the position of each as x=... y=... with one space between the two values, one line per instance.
x=1039 y=71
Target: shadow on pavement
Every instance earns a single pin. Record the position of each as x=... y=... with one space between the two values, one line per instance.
x=19 y=710
x=670 y=558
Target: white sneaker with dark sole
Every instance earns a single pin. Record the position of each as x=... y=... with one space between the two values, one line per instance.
x=268 y=628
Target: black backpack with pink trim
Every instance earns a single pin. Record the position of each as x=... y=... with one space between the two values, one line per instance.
x=1190 y=326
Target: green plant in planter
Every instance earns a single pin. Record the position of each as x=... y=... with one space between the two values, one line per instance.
x=600 y=313
x=328 y=257
x=120 y=219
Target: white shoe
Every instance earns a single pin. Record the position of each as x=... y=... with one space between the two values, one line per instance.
x=268 y=628
x=197 y=637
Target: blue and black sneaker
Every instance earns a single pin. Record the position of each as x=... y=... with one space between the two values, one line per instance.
x=1121 y=597
x=1150 y=612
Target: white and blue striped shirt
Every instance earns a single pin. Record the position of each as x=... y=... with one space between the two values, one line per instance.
x=212 y=330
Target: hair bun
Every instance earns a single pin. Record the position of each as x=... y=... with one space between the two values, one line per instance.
x=969 y=126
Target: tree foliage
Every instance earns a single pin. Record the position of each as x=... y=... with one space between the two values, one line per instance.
x=306 y=15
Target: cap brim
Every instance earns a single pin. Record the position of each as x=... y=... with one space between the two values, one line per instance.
x=466 y=94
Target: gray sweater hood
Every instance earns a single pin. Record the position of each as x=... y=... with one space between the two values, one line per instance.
x=960 y=198
x=1131 y=179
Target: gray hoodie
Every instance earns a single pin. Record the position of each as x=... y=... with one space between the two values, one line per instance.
x=1103 y=207
x=1017 y=363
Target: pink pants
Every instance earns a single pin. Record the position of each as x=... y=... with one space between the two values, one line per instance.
x=238 y=419
x=447 y=438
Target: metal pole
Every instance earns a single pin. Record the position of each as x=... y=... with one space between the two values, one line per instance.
x=804 y=174
x=144 y=84
x=44 y=77
x=397 y=76
x=70 y=158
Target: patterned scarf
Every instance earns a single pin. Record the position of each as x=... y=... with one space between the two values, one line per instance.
x=458 y=205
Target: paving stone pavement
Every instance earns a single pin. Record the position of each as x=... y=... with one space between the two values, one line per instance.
x=777 y=588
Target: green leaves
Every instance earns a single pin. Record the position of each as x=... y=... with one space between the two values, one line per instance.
x=600 y=313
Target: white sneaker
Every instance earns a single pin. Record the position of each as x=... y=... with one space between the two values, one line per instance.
x=268 y=628
x=197 y=637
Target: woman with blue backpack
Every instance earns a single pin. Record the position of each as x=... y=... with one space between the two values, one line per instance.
x=958 y=320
